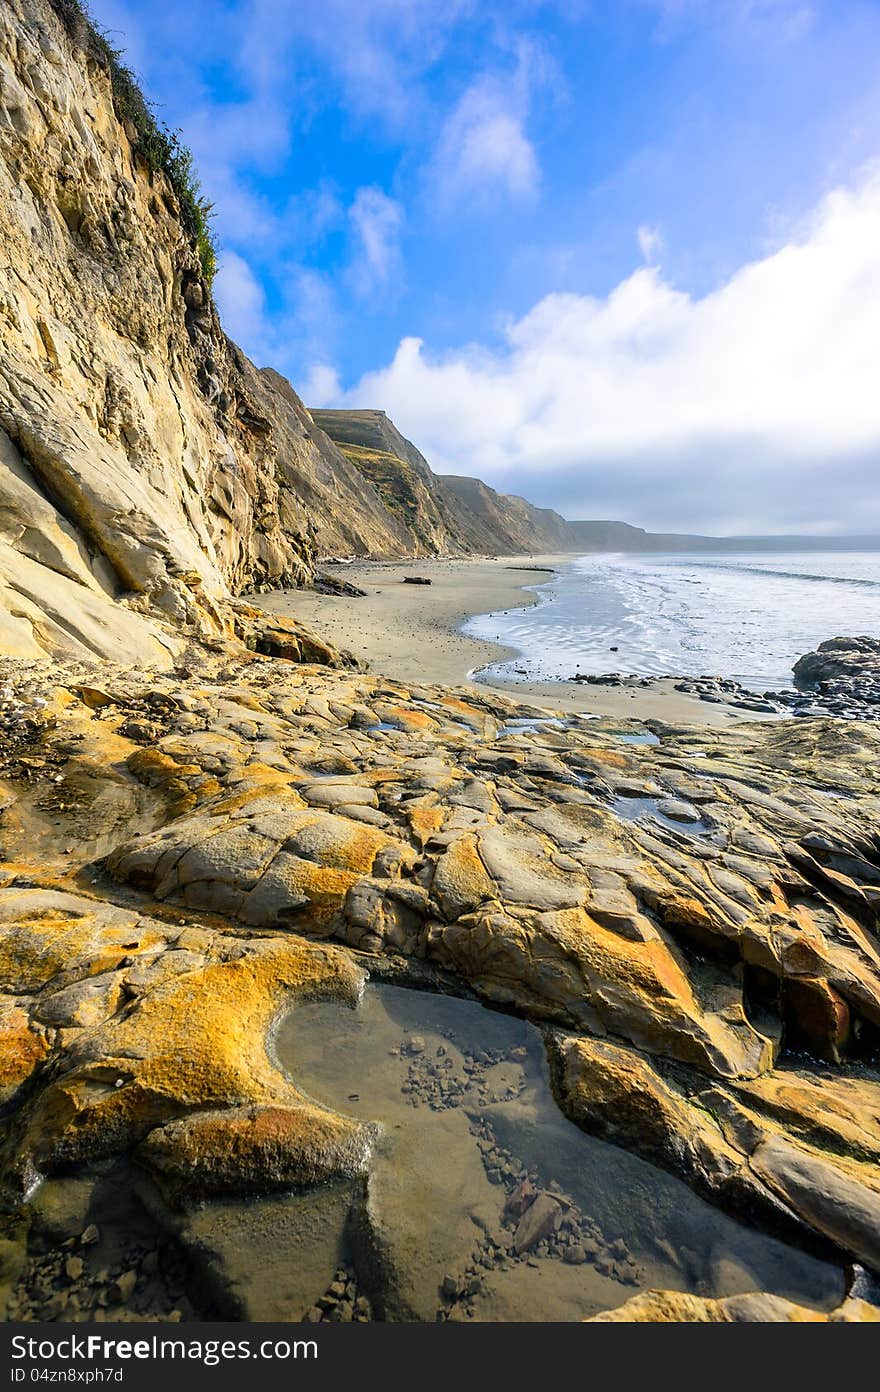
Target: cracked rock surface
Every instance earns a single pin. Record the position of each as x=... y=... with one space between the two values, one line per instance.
x=185 y=854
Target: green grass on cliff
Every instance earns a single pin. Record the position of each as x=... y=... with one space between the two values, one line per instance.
x=161 y=149
x=393 y=478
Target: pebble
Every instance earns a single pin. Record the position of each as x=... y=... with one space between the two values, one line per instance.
x=123 y=1287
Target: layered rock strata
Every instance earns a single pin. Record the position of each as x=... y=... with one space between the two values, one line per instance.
x=441 y=512
x=147 y=469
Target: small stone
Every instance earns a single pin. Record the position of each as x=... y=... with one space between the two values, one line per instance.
x=523 y=1195
x=537 y=1223
x=93 y=697
x=678 y=811
x=123 y=1287
x=74 y=1267
x=90 y=1235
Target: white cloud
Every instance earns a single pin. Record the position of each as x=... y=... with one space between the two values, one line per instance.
x=300 y=330
x=650 y=242
x=483 y=147
x=755 y=405
x=320 y=386
x=483 y=150
x=377 y=221
x=241 y=298
x=379 y=51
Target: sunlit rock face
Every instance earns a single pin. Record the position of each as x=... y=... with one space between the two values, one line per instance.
x=711 y=988
x=442 y=513
x=143 y=459
x=148 y=470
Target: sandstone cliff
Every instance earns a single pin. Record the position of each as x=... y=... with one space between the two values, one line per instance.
x=147 y=469
x=441 y=512
x=503 y=522
x=400 y=474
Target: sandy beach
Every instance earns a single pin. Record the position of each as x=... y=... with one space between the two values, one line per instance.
x=411 y=633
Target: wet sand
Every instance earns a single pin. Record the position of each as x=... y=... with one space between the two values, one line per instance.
x=411 y=633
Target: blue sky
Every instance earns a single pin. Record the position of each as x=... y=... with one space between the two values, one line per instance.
x=494 y=218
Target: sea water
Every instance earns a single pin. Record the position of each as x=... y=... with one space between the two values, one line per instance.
x=743 y=616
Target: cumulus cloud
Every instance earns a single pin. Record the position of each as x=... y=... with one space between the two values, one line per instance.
x=299 y=330
x=241 y=298
x=320 y=386
x=752 y=407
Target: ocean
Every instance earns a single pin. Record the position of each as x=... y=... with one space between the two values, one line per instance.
x=743 y=616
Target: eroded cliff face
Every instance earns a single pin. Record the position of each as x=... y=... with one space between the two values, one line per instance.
x=503 y=522
x=691 y=919
x=389 y=463
x=441 y=513
x=147 y=469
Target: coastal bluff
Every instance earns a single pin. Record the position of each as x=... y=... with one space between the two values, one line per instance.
x=149 y=471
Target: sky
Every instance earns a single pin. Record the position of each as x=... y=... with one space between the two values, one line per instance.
x=619 y=256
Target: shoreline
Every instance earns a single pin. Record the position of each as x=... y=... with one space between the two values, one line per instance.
x=412 y=633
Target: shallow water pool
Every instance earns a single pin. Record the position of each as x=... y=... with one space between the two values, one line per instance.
x=468 y=1117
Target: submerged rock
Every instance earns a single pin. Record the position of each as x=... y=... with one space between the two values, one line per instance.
x=541 y=1218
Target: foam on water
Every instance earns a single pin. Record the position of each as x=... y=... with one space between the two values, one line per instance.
x=747 y=617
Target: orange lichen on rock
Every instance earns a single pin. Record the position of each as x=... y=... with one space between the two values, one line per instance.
x=258 y=1148
x=424 y=821
x=194 y=1041
x=23 y=1047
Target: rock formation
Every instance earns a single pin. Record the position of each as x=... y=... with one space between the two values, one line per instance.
x=148 y=471
x=842 y=671
x=709 y=977
x=672 y=1307
x=441 y=513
